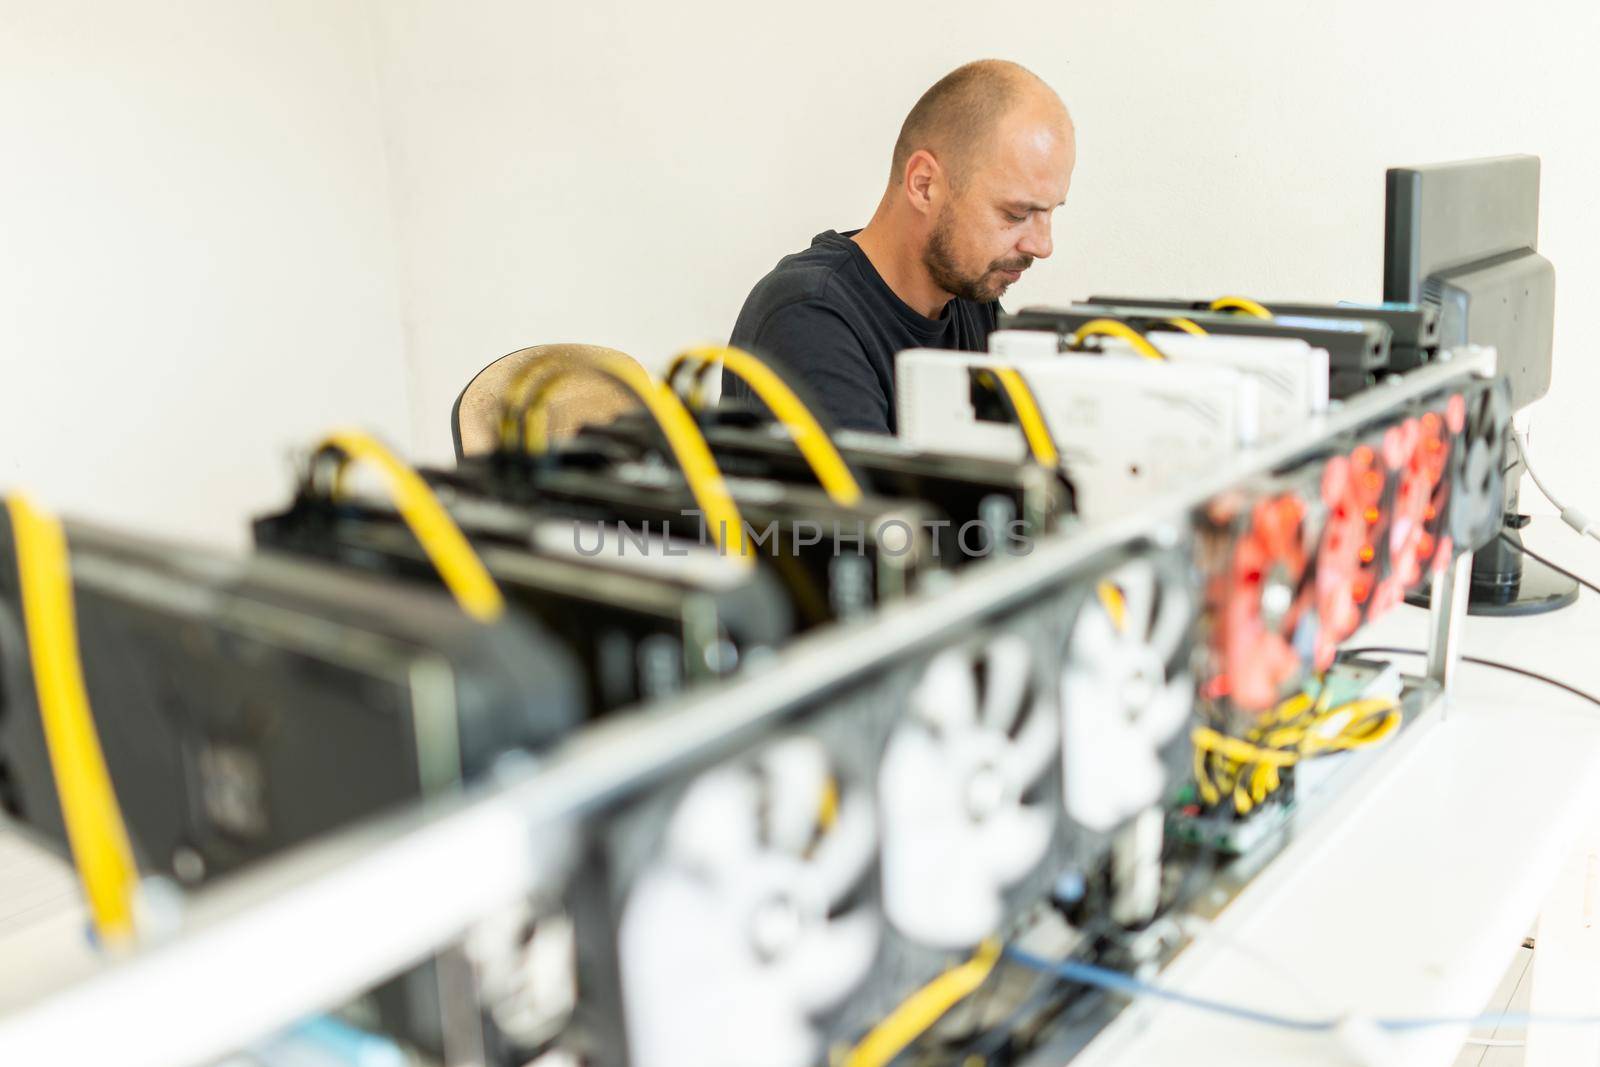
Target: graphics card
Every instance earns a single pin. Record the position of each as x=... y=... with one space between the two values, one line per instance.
x=835 y=561
x=1014 y=504
x=248 y=706
x=1358 y=349
x=1192 y=419
x=229 y=692
x=645 y=618
x=1414 y=327
x=1292 y=375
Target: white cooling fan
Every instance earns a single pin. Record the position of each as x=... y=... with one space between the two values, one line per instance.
x=524 y=960
x=1122 y=700
x=744 y=929
x=958 y=829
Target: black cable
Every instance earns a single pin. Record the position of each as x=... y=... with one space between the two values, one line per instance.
x=1531 y=554
x=1535 y=675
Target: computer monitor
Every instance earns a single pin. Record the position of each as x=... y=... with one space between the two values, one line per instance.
x=1464 y=238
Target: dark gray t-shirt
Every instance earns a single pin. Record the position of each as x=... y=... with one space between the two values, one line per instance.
x=829 y=324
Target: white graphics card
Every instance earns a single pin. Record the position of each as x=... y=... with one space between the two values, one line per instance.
x=1127 y=430
x=1292 y=375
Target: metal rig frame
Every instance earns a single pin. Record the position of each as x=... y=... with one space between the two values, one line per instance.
x=307 y=930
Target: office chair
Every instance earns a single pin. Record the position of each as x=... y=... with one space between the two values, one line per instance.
x=578 y=401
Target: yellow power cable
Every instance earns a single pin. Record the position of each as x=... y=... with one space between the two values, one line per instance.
x=1120 y=330
x=1040 y=443
x=1240 y=303
x=1239 y=750
x=1186 y=325
x=1202 y=779
x=1249 y=768
x=1114 y=602
x=525 y=410
x=809 y=437
x=1030 y=419
x=828 y=805
x=95 y=830
x=923 y=1008
x=441 y=539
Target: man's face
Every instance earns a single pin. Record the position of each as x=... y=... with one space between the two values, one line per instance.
x=991 y=229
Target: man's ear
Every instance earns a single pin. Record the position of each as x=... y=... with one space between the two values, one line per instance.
x=924 y=181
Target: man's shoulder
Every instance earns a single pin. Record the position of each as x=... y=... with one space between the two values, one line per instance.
x=808 y=276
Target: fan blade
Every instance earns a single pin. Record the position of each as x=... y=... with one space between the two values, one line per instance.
x=1028 y=755
x=798 y=784
x=1014 y=841
x=1251 y=556
x=1106 y=761
x=1168 y=712
x=1008 y=664
x=1094 y=636
x=1107 y=777
x=845 y=852
x=691 y=986
x=1276 y=525
x=1137 y=580
x=831 y=961
x=1174 y=621
x=938 y=888
x=947 y=695
x=716 y=824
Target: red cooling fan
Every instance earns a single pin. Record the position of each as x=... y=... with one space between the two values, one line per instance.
x=1419 y=449
x=1263 y=604
x=1348 y=559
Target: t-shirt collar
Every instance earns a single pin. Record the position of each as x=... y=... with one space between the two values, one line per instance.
x=914 y=320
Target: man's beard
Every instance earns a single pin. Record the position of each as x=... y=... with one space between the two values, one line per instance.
x=939 y=258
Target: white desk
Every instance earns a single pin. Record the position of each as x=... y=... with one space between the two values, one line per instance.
x=1411 y=898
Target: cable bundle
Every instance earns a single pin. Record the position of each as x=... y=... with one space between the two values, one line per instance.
x=1249 y=768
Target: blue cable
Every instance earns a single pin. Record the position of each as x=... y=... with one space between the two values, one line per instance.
x=1089 y=974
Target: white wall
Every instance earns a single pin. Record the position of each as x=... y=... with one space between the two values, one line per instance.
x=622 y=173
x=227 y=227
x=197 y=262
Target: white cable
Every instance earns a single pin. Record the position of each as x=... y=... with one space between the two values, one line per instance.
x=1571 y=516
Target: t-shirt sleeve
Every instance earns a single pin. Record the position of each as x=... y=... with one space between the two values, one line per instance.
x=819 y=355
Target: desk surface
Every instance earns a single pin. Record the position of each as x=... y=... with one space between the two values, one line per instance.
x=1410 y=898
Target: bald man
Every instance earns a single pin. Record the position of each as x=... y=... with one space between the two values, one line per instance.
x=981 y=163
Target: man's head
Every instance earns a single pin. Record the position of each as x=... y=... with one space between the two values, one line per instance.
x=982 y=161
